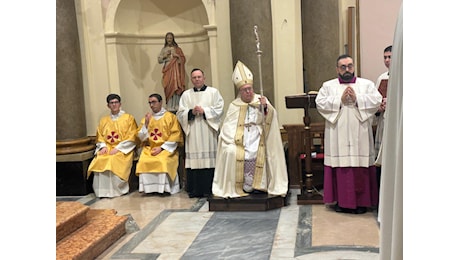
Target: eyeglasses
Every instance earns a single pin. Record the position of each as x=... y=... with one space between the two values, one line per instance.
x=114 y=102
x=345 y=67
x=153 y=102
x=250 y=89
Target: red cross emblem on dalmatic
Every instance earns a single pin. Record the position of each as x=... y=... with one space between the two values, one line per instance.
x=155 y=134
x=112 y=137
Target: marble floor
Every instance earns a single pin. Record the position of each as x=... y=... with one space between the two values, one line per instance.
x=179 y=227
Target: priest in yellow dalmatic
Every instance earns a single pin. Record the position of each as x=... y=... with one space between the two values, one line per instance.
x=250 y=154
x=115 y=143
x=161 y=135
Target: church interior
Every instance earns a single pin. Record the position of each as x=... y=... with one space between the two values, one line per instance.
x=110 y=46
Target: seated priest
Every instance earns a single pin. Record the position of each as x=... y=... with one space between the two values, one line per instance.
x=160 y=134
x=115 y=145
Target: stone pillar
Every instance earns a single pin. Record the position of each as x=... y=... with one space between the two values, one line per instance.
x=244 y=14
x=212 y=34
x=71 y=134
x=320 y=37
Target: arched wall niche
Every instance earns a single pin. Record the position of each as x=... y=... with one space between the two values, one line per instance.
x=153 y=16
x=134 y=35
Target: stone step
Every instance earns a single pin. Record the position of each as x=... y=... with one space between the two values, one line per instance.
x=70 y=216
x=101 y=229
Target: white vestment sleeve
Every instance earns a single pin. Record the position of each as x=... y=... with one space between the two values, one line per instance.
x=126 y=146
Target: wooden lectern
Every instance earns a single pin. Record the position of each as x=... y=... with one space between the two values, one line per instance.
x=307 y=195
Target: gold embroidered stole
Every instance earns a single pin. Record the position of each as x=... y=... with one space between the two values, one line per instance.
x=260 y=158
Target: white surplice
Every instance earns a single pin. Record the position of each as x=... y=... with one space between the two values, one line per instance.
x=200 y=133
x=348 y=138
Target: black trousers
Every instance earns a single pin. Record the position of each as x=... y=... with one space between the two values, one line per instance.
x=199 y=182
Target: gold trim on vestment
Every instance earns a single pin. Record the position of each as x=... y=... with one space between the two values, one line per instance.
x=239 y=167
x=261 y=152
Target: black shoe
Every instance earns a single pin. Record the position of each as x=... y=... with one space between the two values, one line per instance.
x=339 y=209
x=360 y=210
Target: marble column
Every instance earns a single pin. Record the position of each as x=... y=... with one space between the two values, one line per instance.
x=244 y=14
x=71 y=134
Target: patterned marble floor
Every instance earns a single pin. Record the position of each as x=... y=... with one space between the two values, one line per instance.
x=178 y=227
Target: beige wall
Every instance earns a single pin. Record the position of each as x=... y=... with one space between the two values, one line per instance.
x=377 y=26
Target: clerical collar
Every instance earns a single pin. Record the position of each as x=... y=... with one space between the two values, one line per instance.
x=203 y=88
x=341 y=81
x=117 y=115
x=159 y=114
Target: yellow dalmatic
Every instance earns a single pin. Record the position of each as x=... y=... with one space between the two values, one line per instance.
x=115 y=133
x=165 y=129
